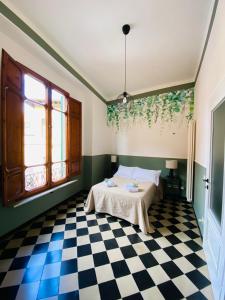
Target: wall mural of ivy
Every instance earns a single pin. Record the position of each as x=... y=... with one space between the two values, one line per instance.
x=164 y=107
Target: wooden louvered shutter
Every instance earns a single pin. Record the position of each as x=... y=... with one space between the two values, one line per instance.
x=12 y=130
x=75 y=137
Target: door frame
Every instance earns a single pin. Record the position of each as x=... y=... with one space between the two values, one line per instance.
x=215 y=260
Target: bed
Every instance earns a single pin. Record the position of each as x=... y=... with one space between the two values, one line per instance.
x=119 y=202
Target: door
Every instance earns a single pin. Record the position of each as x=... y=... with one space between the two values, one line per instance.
x=12 y=116
x=214 y=233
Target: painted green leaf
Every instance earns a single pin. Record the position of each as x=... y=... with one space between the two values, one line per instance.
x=164 y=107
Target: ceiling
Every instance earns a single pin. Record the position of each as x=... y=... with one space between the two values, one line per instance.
x=163 y=48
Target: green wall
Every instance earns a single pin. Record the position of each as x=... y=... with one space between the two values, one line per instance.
x=199 y=194
x=87 y=167
x=156 y=163
x=100 y=168
x=96 y=168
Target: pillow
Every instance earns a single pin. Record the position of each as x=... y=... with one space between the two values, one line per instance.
x=145 y=175
x=126 y=172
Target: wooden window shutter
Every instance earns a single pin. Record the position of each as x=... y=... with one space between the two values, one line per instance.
x=75 y=137
x=12 y=129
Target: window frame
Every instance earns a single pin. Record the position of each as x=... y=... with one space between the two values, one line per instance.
x=58 y=89
x=49 y=107
x=31 y=73
x=49 y=86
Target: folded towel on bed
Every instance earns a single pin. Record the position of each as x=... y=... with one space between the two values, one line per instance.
x=132 y=184
x=109 y=183
x=131 y=187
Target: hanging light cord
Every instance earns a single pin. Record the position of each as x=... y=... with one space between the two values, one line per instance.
x=125 y=66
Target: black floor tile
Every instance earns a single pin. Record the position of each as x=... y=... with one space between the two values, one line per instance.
x=170 y=291
x=48 y=288
x=128 y=251
x=68 y=243
x=87 y=278
x=83 y=250
x=148 y=260
x=198 y=279
x=53 y=257
x=100 y=259
x=195 y=260
x=68 y=266
x=111 y=244
x=172 y=252
x=143 y=280
x=120 y=269
x=109 y=290
x=19 y=263
x=171 y=269
x=9 y=293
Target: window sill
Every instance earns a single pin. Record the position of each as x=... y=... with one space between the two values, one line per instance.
x=50 y=191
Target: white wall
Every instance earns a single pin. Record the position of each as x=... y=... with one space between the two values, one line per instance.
x=210 y=86
x=102 y=138
x=27 y=52
x=162 y=140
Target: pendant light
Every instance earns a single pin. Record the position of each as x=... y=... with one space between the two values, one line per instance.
x=125 y=96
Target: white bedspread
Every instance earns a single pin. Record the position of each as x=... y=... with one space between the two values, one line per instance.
x=117 y=201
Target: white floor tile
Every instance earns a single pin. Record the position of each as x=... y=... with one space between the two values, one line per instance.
x=86 y=262
x=161 y=256
x=115 y=255
x=14 y=277
x=5 y=264
x=127 y=286
x=68 y=283
x=158 y=275
x=25 y=251
x=184 y=285
x=104 y=273
x=152 y=294
x=93 y=291
x=98 y=247
x=51 y=270
x=135 y=264
x=28 y=291
x=69 y=253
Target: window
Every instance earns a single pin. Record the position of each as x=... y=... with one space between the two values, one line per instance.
x=35 y=154
x=41 y=133
x=59 y=129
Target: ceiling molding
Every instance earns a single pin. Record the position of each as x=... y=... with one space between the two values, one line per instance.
x=158 y=92
x=11 y=16
x=207 y=37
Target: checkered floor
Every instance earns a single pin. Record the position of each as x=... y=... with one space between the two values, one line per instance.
x=67 y=254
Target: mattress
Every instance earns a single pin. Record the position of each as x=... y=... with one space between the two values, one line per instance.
x=118 y=202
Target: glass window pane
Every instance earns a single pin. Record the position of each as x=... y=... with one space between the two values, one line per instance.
x=34 y=89
x=34 y=134
x=58 y=136
x=59 y=101
x=58 y=171
x=217 y=164
x=35 y=177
